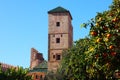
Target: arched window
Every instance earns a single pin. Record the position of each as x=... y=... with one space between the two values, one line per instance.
x=36 y=77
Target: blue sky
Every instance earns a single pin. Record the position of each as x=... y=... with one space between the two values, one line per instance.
x=24 y=24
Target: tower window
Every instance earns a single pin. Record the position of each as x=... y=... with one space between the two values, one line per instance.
x=53 y=56
x=61 y=35
x=57 y=40
x=58 y=57
x=57 y=24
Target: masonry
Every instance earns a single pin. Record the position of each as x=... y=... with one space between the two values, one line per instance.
x=60 y=35
x=36 y=58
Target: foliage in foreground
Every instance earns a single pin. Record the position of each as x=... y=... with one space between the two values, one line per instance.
x=53 y=76
x=74 y=63
x=14 y=74
x=96 y=57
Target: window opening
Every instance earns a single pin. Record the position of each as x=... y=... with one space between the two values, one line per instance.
x=58 y=57
x=57 y=40
x=36 y=76
x=53 y=56
x=61 y=35
x=57 y=24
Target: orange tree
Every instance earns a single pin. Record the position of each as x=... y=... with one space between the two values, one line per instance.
x=99 y=57
x=73 y=65
x=105 y=35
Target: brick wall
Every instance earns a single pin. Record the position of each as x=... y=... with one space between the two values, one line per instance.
x=36 y=58
x=64 y=32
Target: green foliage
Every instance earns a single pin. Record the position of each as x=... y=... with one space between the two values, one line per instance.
x=74 y=62
x=105 y=35
x=53 y=76
x=96 y=57
x=14 y=74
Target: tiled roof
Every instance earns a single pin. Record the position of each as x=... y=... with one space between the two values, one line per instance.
x=58 y=9
x=42 y=67
x=38 y=70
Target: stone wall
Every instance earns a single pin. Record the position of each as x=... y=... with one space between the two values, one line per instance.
x=36 y=58
x=63 y=32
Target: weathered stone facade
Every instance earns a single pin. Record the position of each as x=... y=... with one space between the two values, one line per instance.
x=36 y=75
x=36 y=58
x=38 y=72
x=38 y=66
x=60 y=36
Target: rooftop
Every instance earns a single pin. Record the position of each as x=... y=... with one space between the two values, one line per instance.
x=59 y=10
x=42 y=67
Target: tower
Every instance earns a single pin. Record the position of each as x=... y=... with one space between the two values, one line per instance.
x=60 y=35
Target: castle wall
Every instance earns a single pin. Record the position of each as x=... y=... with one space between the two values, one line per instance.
x=36 y=58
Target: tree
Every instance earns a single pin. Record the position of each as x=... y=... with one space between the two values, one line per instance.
x=74 y=62
x=105 y=35
x=96 y=58
x=53 y=76
x=14 y=74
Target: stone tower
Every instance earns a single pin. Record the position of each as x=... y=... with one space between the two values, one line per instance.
x=36 y=58
x=60 y=35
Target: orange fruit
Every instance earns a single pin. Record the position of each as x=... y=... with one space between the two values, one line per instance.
x=100 y=19
x=113 y=53
x=97 y=24
x=111 y=47
x=114 y=20
x=108 y=35
x=93 y=33
x=98 y=40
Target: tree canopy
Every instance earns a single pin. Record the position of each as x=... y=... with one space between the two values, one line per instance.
x=98 y=56
x=17 y=73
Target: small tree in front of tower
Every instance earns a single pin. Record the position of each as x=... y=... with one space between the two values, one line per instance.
x=73 y=65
